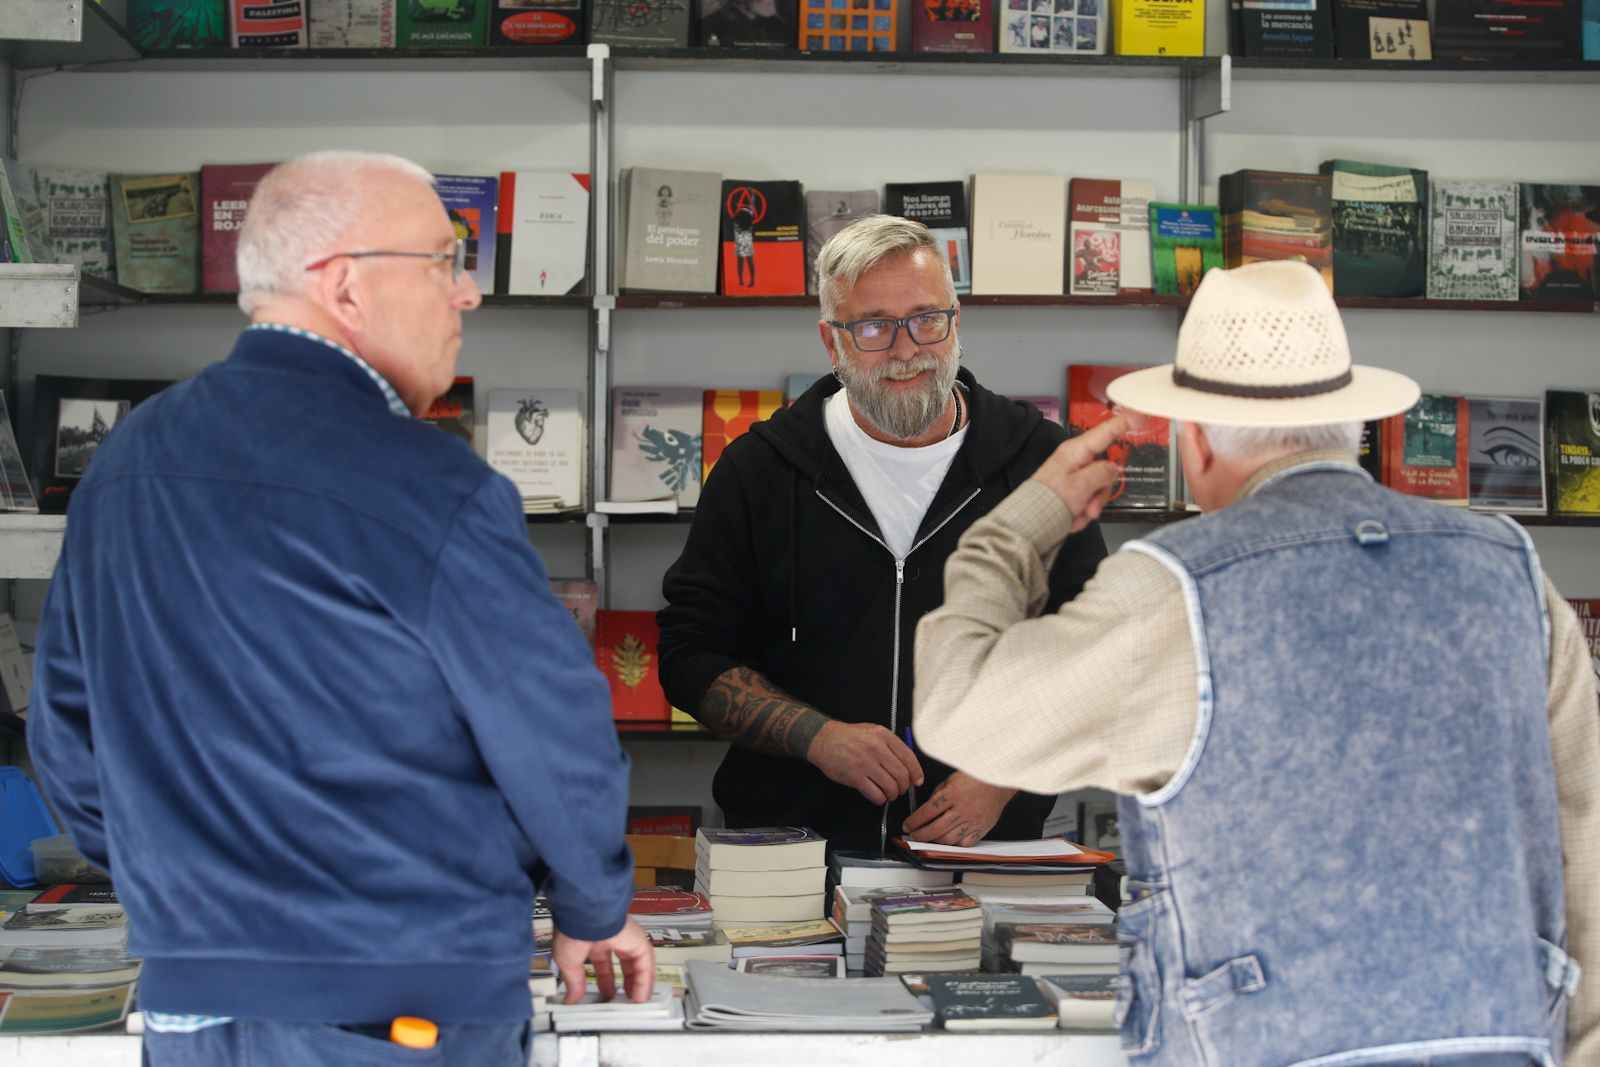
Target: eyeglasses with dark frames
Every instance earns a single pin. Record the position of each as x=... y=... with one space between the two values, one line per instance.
x=877 y=335
x=457 y=258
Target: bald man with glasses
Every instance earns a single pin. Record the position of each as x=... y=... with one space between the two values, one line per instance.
x=302 y=687
x=820 y=540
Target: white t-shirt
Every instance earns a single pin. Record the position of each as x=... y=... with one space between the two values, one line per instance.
x=897 y=483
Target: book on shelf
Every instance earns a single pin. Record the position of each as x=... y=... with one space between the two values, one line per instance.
x=516 y=22
x=351 y=23
x=1185 y=242
x=625 y=650
x=158 y=25
x=827 y=212
x=672 y=820
x=543 y=232
x=1382 y=29
x=763 y=238
x=1082 y=1001
x=1425 y=449
x=1018 y=234
x=761 y=848
x=1472 y=240
x=1572 y=440
x=1049 y=406
x=155 y=223
x=1109 y=227
x=727 y=413
x=942 y=208
x=952 y=25
x=669 y=226
x=1498 y=31
x=471 y=201
x=225 y=192
x=1159 y=28
x=656 y=435
x=1145 y=455
x=429 y=24
x=871 y=26
x=990 y=1002
x=267 y=24
x=792 y=965
x=71 y=416
x=1293 y=29
x=27 y=232
x=747 y=23
x=1560 y=240
x=452 y=412
x=64 y=1011
x=1380 y=229
x=535 y=438
x=16 y=494
x=724 y=999
x=1269 y=214
x=1369 y=452
x=16 y=678
x=630 y=24
x=577 y=595
x=1061 y=26
x=1587 y=609
x=1591 y=30
x=77 y=213
x=1505 y=455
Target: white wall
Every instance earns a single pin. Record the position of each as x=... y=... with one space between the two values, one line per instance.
x=826 y=129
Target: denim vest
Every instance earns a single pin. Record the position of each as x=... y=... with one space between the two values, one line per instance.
x=1358 y=861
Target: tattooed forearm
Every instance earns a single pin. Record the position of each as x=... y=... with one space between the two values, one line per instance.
x=743 y=707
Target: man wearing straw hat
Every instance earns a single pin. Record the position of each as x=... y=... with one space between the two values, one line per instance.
x=1352 y=731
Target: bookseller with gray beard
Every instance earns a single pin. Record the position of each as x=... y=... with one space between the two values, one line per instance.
x=302 y=686
x=819 y=541
x=1353 y=733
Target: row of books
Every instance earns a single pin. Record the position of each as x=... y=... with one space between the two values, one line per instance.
x=1470 y=30
x=526 y=232
x=64 y=965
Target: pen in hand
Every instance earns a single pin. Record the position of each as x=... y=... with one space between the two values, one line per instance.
x=913 y=748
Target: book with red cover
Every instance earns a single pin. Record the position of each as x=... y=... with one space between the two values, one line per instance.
x=577 y=595
x=625 y=650
x=1588 y=612
x=1425 y=449
x=657 y=901
x=729 y=413
x=763 y=238
x=952 y=26
x=671 y=820
x=1145 y=455
x=225 y=192
x=1560 y=237
x=452 y=412
x=1108 y=225
x=516 y=22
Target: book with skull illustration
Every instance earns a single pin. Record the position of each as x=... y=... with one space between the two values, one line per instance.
x=535 y=438
x=655 y=444
x=625 y=651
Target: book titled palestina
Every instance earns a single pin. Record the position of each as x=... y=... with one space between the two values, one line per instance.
x=267 y=23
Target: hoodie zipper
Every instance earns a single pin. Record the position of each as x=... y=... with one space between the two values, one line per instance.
x=899 y=588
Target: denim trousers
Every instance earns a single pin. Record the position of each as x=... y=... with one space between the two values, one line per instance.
x=270 y=1043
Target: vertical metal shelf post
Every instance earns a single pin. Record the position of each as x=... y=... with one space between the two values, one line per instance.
x=601 y=87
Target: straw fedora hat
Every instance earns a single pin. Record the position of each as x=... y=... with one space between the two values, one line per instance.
x=1263 y=345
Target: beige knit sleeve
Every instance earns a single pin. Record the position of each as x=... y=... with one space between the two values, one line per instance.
x=1101 y=694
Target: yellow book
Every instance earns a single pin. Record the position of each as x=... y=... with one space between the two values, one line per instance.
x=1159 y=28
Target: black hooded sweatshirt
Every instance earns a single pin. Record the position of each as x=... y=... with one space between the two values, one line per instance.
x=786 y=572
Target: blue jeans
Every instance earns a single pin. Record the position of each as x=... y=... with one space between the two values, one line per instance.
x=269 y=1043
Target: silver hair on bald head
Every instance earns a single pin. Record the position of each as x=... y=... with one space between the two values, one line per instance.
x=1243 y=442
x=864 y=244
x=299 y=211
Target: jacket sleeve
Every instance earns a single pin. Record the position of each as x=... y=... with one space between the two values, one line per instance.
x=60 y=733
x=526 y=682
x=1080 y=555
x=712 y=592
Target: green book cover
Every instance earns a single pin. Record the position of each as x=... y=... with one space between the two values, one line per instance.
x=16 y=234
x=443 y=23
x=1185 y=242
x=162 y=24
x=1572 y=436
x=156 y=225
x=1380 y=245
x=1472 y=240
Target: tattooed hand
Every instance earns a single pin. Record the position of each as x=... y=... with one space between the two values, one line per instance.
x=961 y=811
x=867 y=758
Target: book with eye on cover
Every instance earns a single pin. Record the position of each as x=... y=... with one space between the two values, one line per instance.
x=1505 y=455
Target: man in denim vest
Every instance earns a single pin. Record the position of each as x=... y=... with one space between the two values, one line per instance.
x=1353 y=732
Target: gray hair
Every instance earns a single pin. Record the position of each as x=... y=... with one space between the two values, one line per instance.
x=300 y=210
x=1243 y=442
x=864 y=244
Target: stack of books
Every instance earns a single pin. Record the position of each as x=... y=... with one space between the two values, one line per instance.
x=852 y=914
x=767 y=874
x=678 y=922
x=808 y=937
x=64 y=966
x=1036 y=936
x=937 y=930
x=663 y=1011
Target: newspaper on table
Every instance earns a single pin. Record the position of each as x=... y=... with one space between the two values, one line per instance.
x=722 y=999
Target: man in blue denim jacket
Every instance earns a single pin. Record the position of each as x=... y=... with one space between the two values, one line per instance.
x=1353 y=732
